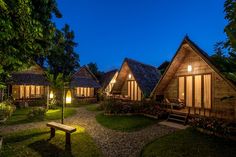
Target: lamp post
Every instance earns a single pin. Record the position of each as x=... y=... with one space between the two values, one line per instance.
x=63 y=104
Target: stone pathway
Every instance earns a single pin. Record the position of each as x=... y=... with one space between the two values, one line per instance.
x=112 y=143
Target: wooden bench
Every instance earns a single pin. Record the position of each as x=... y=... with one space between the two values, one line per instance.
x=67 y=129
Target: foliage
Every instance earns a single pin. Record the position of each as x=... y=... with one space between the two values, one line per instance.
x=189 y=143
x=62 y=58
x=24 y=30
x=145 y=107
x=94 y=69
x=37 y=113
x=57 y=85
x=20 y=116
x=230 y=28
x=34 y=143
x=213 y=125
x=6 y=109
x=125 y=123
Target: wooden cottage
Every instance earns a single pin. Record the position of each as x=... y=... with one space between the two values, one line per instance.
x=135 y=80
x=108 y=80
x=84 y=85
x=193 y=79
x=29 y=86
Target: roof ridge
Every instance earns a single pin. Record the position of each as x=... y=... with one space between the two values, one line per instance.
x=127 y=59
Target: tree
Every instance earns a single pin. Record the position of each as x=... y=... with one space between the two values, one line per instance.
x=94 y=69
x=230 y=28
x=23 y=33
x=62 y=58
x=43 y=10
x=220 y=57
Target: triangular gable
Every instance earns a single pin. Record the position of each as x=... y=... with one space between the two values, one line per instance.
x=178 y=59
x=145 y=75
x=84 y=72
x=84 y=78
x=107 y=78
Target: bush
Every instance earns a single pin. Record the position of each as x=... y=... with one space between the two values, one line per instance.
x=53 y=104
x=213 y=125
x=6 y=109
x=37 y=113
x=145 y=107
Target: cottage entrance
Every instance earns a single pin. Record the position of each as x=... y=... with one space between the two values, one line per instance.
x=134 y=92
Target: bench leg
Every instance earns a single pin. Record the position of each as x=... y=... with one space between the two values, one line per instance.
x=52 y=132
x=67 y=138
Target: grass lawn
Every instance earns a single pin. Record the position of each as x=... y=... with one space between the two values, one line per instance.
x=124 y=123
x=190 y=143
x=20 y=115
x=36 y=143
x=93 y=107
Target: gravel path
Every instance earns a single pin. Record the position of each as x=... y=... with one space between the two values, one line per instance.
x=112 y=143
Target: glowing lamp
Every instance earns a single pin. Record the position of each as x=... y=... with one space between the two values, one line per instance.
x=68 y=97
x=51 y=95
x=130 y=76
x=189 y=68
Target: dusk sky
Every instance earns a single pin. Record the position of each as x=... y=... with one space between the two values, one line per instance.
x=149 y=31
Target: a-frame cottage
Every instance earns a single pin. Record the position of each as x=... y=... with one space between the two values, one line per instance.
x=135 y=80
x=192 y=78
x=84 y=85
x=29 y=86
x=108 y=80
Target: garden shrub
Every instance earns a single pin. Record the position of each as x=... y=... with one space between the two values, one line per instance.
x=53 y=104
x=6 y=109
x=126 y=107
x=37 y=113
x=210 y=124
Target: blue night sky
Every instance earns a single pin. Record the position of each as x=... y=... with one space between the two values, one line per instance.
x=149 y=31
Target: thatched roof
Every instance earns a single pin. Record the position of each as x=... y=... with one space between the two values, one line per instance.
x=178 y=58
x=107 y=77
x=146 y=76
x=84 y=78
x=32 y=76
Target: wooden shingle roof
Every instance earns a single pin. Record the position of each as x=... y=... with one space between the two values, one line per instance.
x=107 y=77
x=84 y=78
x=32 y=76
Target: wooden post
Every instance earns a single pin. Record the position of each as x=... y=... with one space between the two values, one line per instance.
x=67 y=138
x=52 y=132
x=47 y=91
x=62 y=109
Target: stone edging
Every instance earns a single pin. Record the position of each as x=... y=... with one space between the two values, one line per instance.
x=131 y=114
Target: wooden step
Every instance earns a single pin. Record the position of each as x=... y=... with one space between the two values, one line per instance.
x=177 y=115
x=178 y=120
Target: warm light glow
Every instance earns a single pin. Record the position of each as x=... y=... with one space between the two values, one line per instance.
x=130 y=76
x=51 y=95
x=68 y=97
x=113 y=81
x=189 y=68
